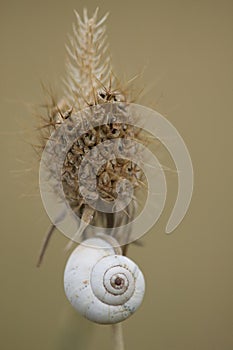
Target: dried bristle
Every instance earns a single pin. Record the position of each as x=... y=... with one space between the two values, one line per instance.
x=90 y=81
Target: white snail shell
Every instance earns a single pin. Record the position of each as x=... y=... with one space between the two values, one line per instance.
x=101 y=285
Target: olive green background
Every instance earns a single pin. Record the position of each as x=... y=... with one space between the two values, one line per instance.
x=186 y=51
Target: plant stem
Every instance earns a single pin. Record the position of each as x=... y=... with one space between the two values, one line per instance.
x=45 y=244
x=118 y=341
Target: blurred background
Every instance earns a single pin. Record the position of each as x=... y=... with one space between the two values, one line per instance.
x=185 y=49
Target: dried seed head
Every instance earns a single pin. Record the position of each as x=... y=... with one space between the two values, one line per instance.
x=90 y=82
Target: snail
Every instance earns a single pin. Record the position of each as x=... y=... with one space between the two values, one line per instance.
x=102 y=285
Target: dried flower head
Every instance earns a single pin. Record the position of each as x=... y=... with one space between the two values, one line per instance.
x=90 y=82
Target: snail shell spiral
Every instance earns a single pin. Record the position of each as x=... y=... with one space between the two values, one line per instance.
x=104 y=287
